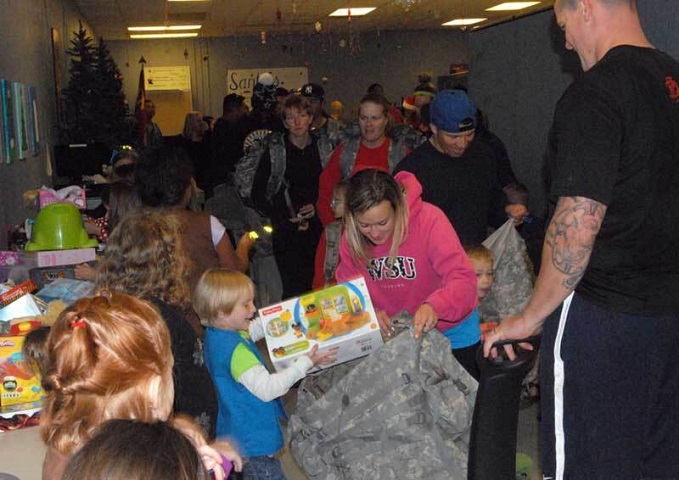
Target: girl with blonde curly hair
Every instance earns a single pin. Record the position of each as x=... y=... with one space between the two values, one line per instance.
x=145 y=257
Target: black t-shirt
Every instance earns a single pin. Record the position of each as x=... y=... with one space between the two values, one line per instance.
x=615 y=139
x=466 y=188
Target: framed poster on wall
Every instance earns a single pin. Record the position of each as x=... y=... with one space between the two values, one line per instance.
x=8 y=128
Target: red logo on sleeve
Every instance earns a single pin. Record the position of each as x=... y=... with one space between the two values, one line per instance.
x=672 y=88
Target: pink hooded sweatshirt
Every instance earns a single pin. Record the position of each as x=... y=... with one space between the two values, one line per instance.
x=431 y=265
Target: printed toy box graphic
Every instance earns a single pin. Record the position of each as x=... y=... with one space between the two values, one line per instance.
x=18 y=381
x=341 y=316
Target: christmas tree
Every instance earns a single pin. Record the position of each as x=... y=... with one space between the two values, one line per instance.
x=111 y=100
x=95 y=103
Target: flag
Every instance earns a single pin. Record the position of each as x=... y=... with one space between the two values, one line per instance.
x=141 y=107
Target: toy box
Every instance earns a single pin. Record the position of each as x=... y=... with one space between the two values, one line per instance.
x=18 y=381
x=57 y=258
x=340 y=316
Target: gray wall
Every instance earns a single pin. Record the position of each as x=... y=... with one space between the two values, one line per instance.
x=392 y=58
x=519 y=70
x=27 y=58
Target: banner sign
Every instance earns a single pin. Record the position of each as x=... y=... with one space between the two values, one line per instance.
x=242 y=81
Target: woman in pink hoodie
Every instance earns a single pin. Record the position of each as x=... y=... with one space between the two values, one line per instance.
x=411 y=259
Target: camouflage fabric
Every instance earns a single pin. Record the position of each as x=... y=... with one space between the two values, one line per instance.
x=404 y=412
x=246 y=168
x=512 y=286
x=513 y=279
x=333 y=235
x=327 y=138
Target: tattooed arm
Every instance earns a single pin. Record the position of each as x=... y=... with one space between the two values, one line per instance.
x=566 y=252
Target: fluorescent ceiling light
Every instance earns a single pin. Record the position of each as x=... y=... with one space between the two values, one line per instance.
x=511 y=6
x=164 y=35
x=355 y=12
x=189 y=0
x=461 y=22
x=163 y=28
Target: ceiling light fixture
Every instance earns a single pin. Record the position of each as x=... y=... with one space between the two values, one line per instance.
x=355 y=12
x=163 y=28
x=163 y=35
x=511 y=6
x=463 y=22
x=189 y=0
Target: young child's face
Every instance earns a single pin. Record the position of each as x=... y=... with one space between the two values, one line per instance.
x=484 y=276
x=239 y=318
x=337 y=203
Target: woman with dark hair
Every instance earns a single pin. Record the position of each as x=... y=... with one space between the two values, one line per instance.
x=165 y=179
x=135 y=450
x=411 y=259
x=371 y=149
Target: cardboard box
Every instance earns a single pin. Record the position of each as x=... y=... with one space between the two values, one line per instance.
x=43 y=276
x=340 y=316
x=58 y=258
x=19 y=383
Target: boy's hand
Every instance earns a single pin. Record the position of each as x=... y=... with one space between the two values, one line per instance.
x=324 y=358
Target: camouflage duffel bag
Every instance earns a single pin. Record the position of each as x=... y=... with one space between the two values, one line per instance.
x=404 y=412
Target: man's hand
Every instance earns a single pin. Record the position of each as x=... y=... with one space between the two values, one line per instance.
x=512 y=328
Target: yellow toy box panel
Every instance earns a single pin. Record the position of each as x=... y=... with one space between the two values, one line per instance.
x=18 y=382
x=340 y=316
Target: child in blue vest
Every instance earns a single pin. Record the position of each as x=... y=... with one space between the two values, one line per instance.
x=248 y=395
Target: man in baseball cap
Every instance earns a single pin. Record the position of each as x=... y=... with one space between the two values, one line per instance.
x=453 y=122
x=324 y=128
x=458 y=174
x=316 y=95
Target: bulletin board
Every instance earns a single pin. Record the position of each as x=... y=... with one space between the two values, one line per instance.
x=170 y=89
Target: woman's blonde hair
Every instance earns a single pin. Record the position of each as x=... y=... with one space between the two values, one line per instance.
x=145 y=257
x=218 y=291
x=367 y=189
x=110 y=357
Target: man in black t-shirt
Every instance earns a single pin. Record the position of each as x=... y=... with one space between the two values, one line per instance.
x=460 y=175
x=610 y=379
